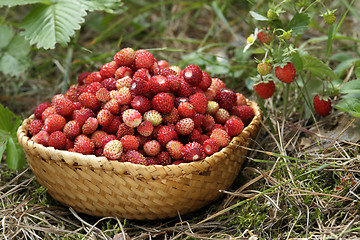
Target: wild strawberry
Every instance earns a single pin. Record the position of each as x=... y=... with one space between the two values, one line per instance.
x=171 y=117
x=35 y=126
x=199 y=101
x=162 y=102
x=175 y=149
x=90 y=126
x=179 y=100
x=93 y=87
x=113 y=106
x=113 y=127
x=217 y=84
x=264 y=37
x=132 y=118
x=142 y=140
x=151 y=161
x=40 y=109
x=125 y=57
x=193 y=151
x=329 y=17
x=158 y=83
x=186 y=110
x=173 y=82
x=107 y=139
x=104 y=117
x=234 y=127
x=142 y=73
x=123 y=95
x=123 y=82
x=139 y=86
x=108 y=69
x=322 y=105
x=136 y=157
x=218 y=125
x=73 y=93
x=56 y=97
x=57 y=140
x=123 y=130
x=41 y=137
x=83 y=144
x=123 y=72
x=263 y=68
x=221 y=116
x=163 y=158
x=141 y=103
x=205 y=82
x=81 y=77
x=103 y=95
x=154 y=117
x=210 y=146
x=145 y=128
x=81 y=115
x=208 y=122
x=152 y=148
x=286 y=73
x=265 y=89
x=93 y=77
x=212 y=107
x=89 y=100
x=177 y=162
x=185 y=89
x=185 y=126
x=54 y=122
x=69 y=144
x=97 y=137
x=198 y=120
x=113 y=150
x=99 y=152
x=129 y=142
x=72 y=129
x=226 y=98
x=166 y=134
x=144 y=59
x=192 y=74
x=194 y=135
x=221 y=137
x=47 y=112
x=203 y=138
x=245 y=112
x=109 y=83
x=177 y=69
x=210 y=94
x=272 y=14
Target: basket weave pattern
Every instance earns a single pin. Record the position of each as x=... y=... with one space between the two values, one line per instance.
x=99 y=187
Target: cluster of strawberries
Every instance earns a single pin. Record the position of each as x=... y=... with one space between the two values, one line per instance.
x=140 y=110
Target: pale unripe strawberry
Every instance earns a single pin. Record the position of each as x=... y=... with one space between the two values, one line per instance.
x=154 y=117
x=185 y=126
x=113 y=150
x=132 y=118
x=104 y=117
x=175 y=149
x=90 y=126
x=212 y=107
x=263 y=68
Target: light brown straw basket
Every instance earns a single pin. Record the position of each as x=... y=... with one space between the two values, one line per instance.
x=99 y=187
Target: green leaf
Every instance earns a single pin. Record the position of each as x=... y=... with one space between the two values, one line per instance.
x=298 y=24
x=3 y=143
x=19 y=47
x=318 y=68
x=14 y=155
x=101 y=5
x=342 y=66
x=350 y=105
x=258 y=16
x=6 y=35
x=12 y=3
x=13 y=66
x=298 y=62
x=351 y=87
x=357 y=72
x=47 y=25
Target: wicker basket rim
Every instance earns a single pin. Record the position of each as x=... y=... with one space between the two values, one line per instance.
x=94 y=162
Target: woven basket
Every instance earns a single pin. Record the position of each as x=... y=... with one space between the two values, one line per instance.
x=99 y=187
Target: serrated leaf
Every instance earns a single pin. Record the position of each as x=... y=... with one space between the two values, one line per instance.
x=350 y=105
x=318 y=68
x=47 y=25
x=298 y=24
x=6 y=35
x=258 y=16
x=12 y=3
x=14 y=155
x=19 y=47
x=298 y=62
x=101 y=5
x=13 y=66
x=351 y=87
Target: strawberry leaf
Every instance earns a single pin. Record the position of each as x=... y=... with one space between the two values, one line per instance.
x=298 y=24
x=318 y=67
x=351 y=87
x=350 y=105
x=12 y=3
x=101 y=5
x=56 y=22
x=258 y=16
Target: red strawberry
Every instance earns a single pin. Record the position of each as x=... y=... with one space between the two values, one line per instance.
x=198 y=120
x=186 y=110
x=81 y=115
x=221 y=137
x=210 y=94
x=208 y=122
x=93 y=87
x=158 y=83
x=72 y=129
x=113 y=150
x=90 y=126
x=193 y=151
x=185 y=89
x=42 y=138
x=171 y=117
x=40 y=109
x=166 y=134
x=234 y=126
x=97 y=138
x=154 y=117
x=123 y=72
x=205 y=82
x=263 y=68
x=264 y=37
x=54 y=122
x=103 y=95
x=109 y=83
x=287 y=73
x=163 y=64
x=113 y=106
x=163 y=158
x=107 y=139
x=83 y=144
x=192 y=74
x=144 y=59
x=199 y=101
x=82 y=76
x=221 y=116
x=142 y=73
x=108 y=69
x=123 y=130
x=113 y=127
x=245 y=112
x=145 y=128
x=152 y=148
x=132 y=118
x=35 y=126
x=129 y=142
x=89 y=100
x=226 y=98
x=265 y=89
x=57 y=140
x=139 y=86
x=136 y=157
x=322 y=105
x=185 y=126
x=162 y=102
x=217 y=84
x=151 y=161
x=175 y=149
x=123 y=95
x=195 y=135
x=173 y=82
x=210 y=146
x=104 y=117
x=47 y=112
x=125 y=57
x=203 y=138
x=93 y=77
x=141 y=103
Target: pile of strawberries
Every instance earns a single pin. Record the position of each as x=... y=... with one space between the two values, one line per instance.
x=140 y=110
